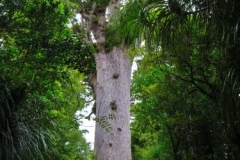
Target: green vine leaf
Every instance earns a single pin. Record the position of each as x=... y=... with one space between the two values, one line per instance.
x=104 y=123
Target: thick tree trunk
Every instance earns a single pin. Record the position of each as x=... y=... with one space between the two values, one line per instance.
x=111 y=86
x=113 y=97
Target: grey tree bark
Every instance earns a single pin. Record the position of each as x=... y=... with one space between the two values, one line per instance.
x=113 y=97
x=111 y=87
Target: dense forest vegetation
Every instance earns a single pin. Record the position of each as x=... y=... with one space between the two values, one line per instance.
x=40 y=88
x=187 y=83
x=185 y=93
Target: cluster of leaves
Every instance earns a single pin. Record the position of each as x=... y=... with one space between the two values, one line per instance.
x=39 y=93
x=187 y=86
x=88 y=5
x=102 y=3
x=113 y=37
x=180 y=118
x=104 y=123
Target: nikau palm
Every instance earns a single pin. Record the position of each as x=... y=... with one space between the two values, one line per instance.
x=200 y=39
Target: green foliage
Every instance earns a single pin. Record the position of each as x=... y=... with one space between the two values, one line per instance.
x=133 y=52
x=187 y=86
x=68 y=142
x=104 y=123
x=113 y=37
x=102 y=3
x=86 y=6
x=176 y=114
x=130 y=26
x=39 y=93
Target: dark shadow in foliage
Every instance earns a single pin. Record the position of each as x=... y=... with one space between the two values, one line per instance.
x=35 y=46
x=18 y=139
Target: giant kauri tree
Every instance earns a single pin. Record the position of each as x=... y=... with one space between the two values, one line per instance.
x=111 y=80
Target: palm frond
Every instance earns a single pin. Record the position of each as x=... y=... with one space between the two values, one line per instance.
x=19 y=137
